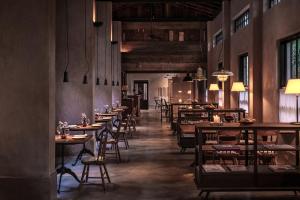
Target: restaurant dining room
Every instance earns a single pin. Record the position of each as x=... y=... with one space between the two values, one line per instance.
x=150 y=100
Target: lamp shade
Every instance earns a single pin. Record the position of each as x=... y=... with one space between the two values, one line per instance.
x=222 y=75
x=293 y=86
x=187 y=78
x=238 y=87
x=200 y=75
x=213 y=87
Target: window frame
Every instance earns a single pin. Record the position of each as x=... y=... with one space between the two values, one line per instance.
x=242 y=69
x=272 y=3
x=242 y=21
x=284 y=60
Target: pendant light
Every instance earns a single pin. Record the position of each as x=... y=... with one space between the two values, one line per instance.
x=200 y=75
x=222 y=74
x=85 y=81
x=118 y=56
x=105 y=46
x=113 y=43
x=188 y=78
x=97 y=23
x=97 y=56
x=66 y=76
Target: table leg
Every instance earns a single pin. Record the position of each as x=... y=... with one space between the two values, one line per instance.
x=83 y=151
x=64 y=170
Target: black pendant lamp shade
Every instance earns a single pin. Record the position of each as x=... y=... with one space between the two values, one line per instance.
x=188 y=78
x=113 y=43
x=85 y=79
x=66 y=77
x=118 y=83
x=105 y=81
x=97 y=81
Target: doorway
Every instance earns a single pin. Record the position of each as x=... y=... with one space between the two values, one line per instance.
x=141 y=88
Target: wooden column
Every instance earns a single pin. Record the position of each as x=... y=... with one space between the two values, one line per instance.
x=226 y=48
x=255 y=70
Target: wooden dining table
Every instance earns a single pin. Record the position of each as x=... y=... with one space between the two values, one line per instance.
x=84 y=129
x=69 y=140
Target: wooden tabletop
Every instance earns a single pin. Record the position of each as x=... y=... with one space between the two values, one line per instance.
x=112 y=114
x=240 y=126
x=86 y=128
x=103 y=120
x=70 y=140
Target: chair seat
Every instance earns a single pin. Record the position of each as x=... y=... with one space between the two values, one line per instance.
x=111 y=141
x=92 y=160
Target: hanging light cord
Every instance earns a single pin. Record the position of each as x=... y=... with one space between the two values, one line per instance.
x=85 y=54
x=105 y=42
x=67 y=35
x=97 y=46
x=112 y=62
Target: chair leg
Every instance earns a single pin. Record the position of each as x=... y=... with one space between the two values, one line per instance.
x=83 y=173
x=87 y=173
x=102 y=177
x=118 y=152
x=106 y=172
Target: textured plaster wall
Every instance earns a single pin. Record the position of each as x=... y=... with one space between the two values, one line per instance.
x=27 y=46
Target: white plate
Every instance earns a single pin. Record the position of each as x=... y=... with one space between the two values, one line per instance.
x=72 y=126
x=97 y=125
x=79 y=136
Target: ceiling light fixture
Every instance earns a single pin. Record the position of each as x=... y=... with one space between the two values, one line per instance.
x=188 y=78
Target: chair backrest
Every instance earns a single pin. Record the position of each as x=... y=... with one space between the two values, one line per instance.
x=101 y=140
x=229 y=137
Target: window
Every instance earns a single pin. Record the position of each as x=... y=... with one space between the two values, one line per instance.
x=244 y=69
x=242 y=21
x=244 y=77
x=289 y=60
x=218 y=38
x=171 y=36
x=273 y=3
x=181 y=37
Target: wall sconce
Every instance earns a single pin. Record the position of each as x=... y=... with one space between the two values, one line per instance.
x=189 y=92
x=180 y=100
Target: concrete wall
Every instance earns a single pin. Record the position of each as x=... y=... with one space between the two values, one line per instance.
x=74 y=97
x=117 y=36
x=27 y=62
x=279 y=22
x=155 y=81
x=102 y=93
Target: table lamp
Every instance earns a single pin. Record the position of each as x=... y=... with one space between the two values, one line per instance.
x=238 y=87
x=213 y=87
x=293 y=87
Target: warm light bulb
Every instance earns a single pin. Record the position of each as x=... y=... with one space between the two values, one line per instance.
x=222 y=78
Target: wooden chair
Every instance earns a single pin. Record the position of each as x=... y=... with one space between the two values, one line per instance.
x=157 y=103
x=265 y=138
x=113 y=139
x=98 y=160
x=122 y=134
x=228 y=138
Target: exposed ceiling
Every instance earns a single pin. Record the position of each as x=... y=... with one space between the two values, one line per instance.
x=164 y=10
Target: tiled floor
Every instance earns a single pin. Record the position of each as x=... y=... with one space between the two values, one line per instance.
x=152 y=169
